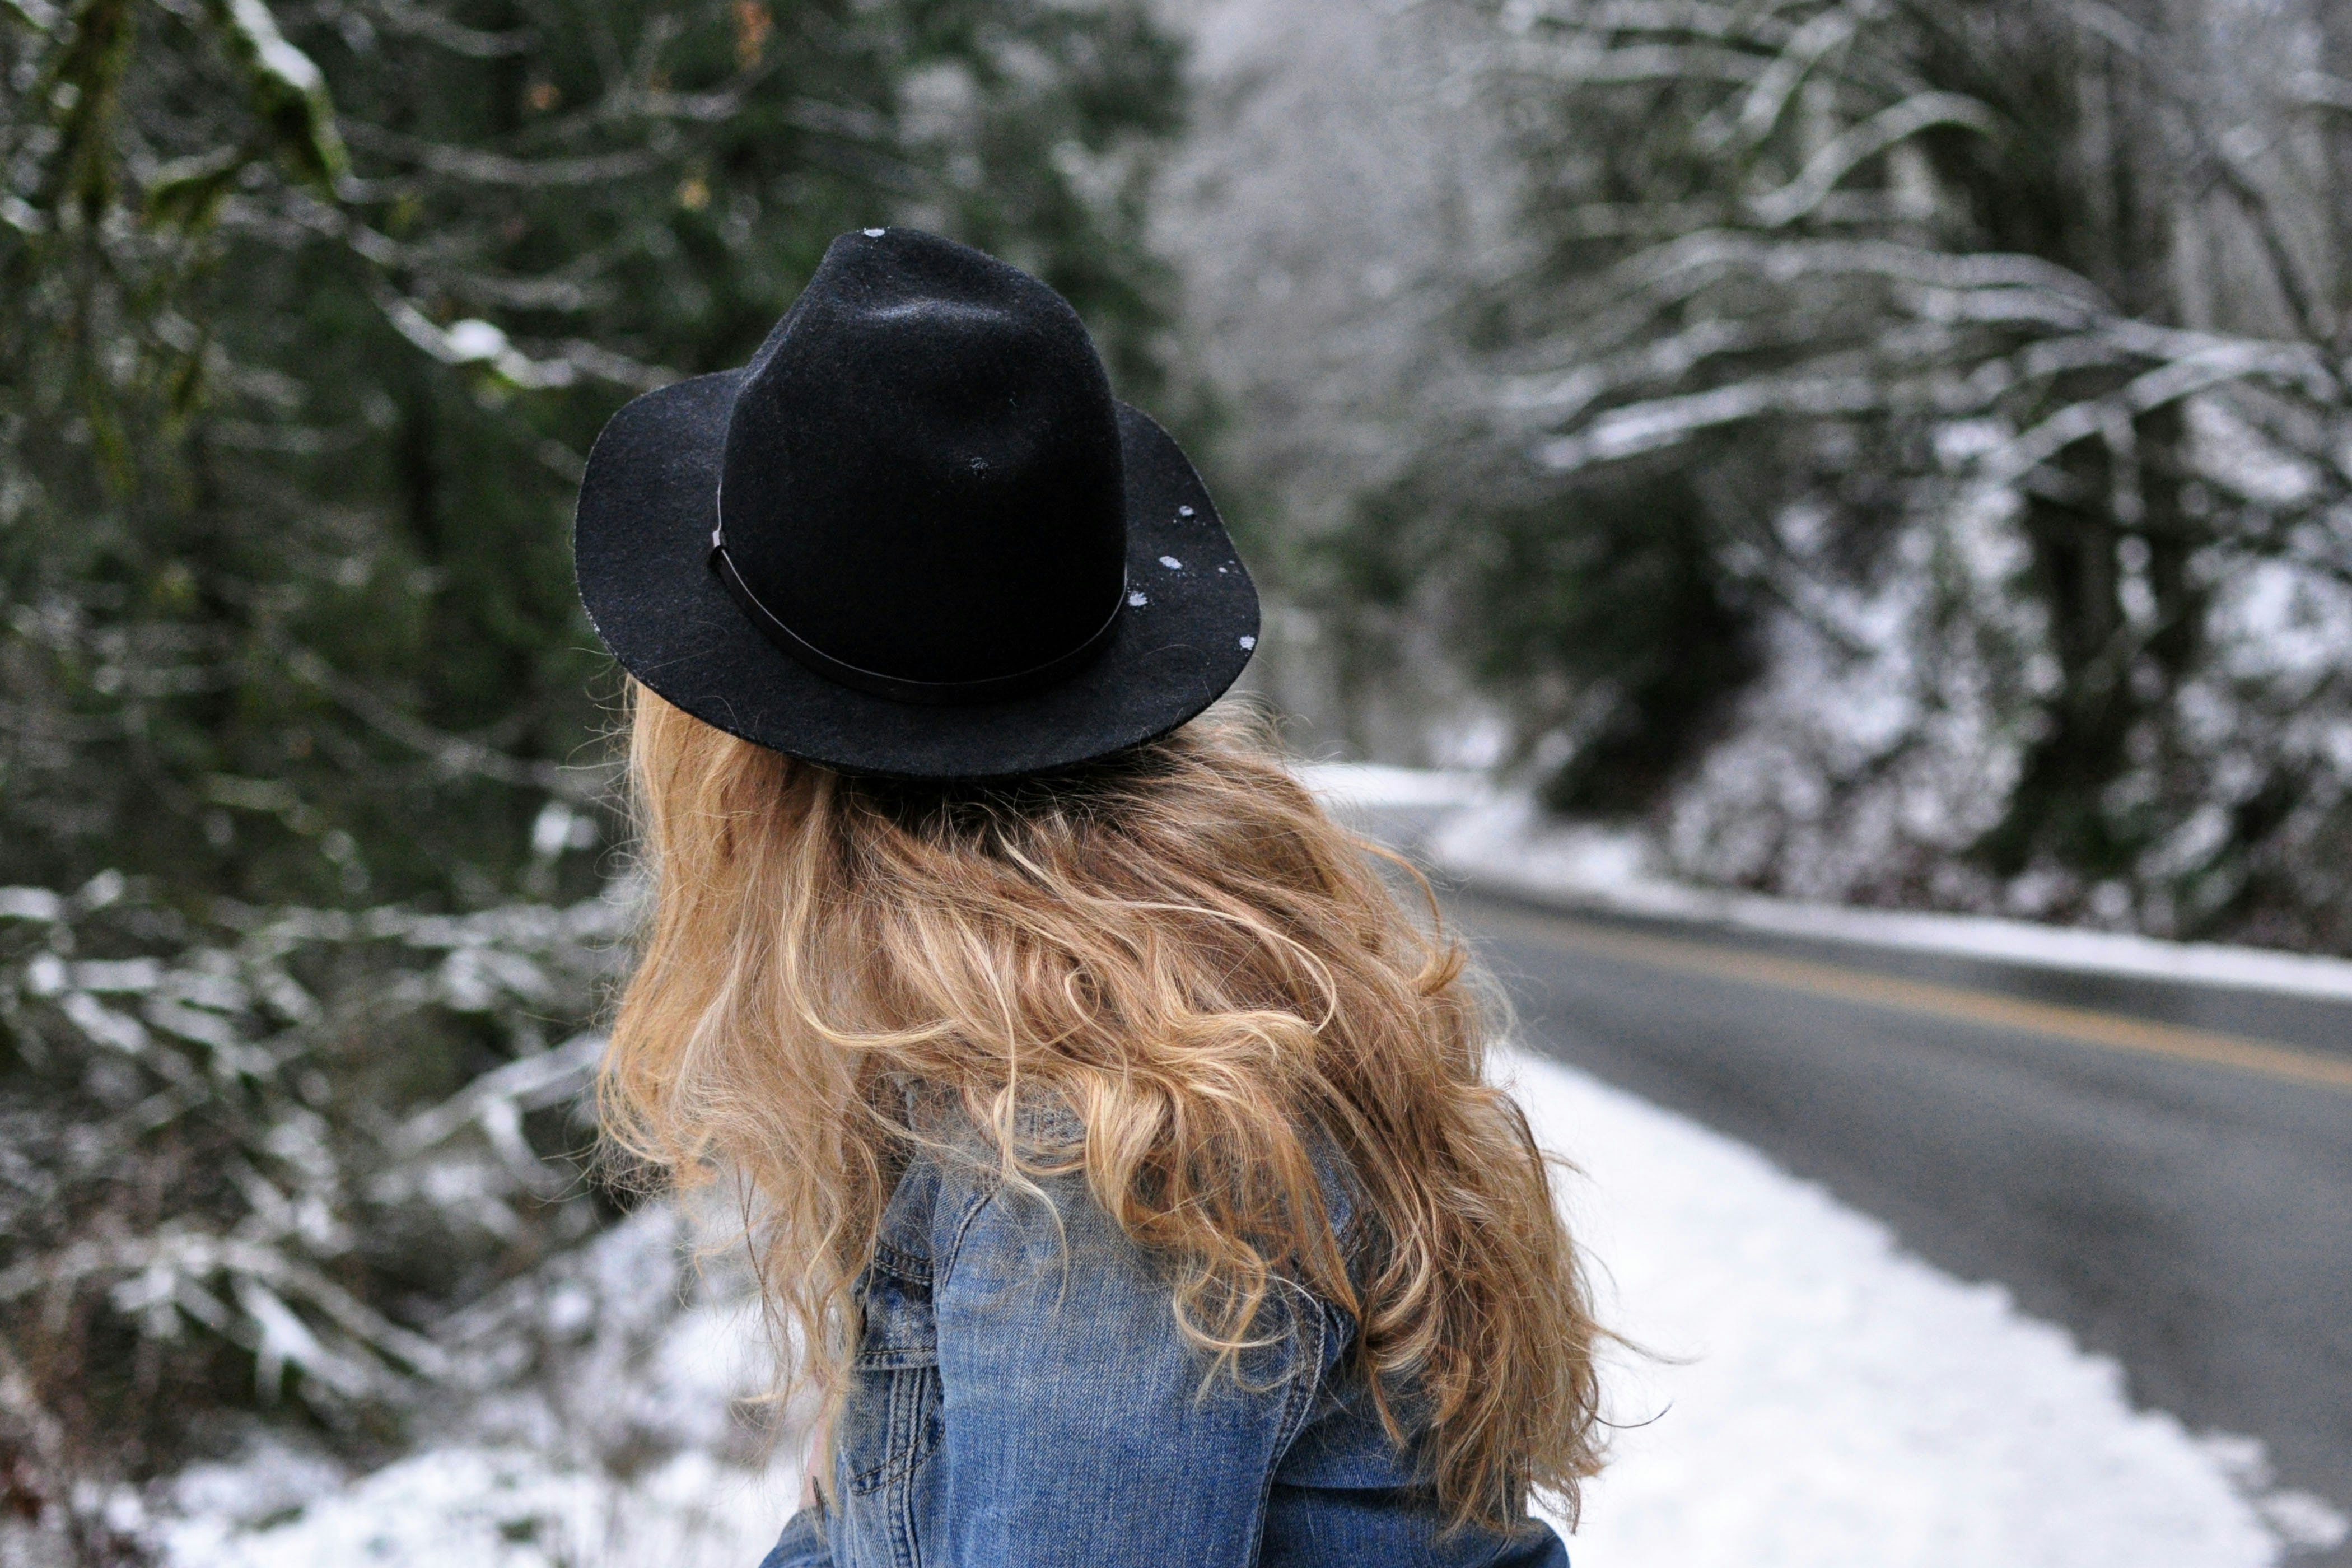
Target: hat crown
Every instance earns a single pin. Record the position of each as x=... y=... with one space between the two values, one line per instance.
x=922 y=475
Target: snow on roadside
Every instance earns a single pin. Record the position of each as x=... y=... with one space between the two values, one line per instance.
x=1504 y=842
x=1834 y=1402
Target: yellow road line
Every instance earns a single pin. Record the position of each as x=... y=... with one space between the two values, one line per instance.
x=2079 y=1024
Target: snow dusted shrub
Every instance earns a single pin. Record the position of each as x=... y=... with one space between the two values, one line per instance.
x=256 y=1159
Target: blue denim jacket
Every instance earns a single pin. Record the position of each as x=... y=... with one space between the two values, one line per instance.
x=1021 y=1398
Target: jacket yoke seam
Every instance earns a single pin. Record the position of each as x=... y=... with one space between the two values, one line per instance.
x=943 y=1267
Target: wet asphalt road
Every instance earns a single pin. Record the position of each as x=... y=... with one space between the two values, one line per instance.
x=2182 y=1203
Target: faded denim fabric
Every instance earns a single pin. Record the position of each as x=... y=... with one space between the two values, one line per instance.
x=1022 y=1399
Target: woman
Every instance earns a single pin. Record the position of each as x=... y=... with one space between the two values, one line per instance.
x=1113 y=1147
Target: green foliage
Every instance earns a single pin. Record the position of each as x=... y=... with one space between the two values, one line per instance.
x=1619 y=587
x=296 y=427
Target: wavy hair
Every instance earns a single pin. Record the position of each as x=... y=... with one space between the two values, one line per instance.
x=1184 y=951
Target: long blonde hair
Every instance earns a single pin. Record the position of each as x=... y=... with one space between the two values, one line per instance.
x=1182 y=949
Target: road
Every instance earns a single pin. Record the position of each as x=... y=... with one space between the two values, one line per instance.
x=2165 y=1170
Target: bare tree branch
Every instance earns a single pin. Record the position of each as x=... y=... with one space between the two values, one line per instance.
x=1898 y=123
x=478 y=167
x=454 y=756
x=413 y=20
x=1776 y=89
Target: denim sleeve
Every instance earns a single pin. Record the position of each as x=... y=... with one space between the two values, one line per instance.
x=802 y=1546
x=1081 y=1430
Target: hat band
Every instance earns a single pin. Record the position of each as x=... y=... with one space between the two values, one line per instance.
x=935 y=693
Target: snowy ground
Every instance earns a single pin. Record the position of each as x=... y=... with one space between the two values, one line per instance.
x=500 y=1506
x=1829 y=1402
x=1834 y=1402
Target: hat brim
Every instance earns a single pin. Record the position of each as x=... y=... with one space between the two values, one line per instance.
x=642 y=544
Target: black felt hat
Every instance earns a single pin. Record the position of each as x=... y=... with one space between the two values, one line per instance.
x=916 y=536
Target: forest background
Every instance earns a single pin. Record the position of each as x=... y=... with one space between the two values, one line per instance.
x=1875 y=450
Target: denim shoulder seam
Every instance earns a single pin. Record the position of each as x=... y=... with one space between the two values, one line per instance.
x=985 y=1186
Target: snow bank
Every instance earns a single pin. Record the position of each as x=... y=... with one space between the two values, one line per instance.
x=1834 y=1402
x=1505 y=843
